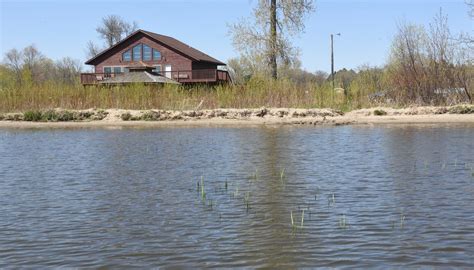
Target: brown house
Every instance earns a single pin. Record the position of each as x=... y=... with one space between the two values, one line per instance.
x=147 y=57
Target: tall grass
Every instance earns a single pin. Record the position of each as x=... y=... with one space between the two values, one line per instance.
x=257 y=92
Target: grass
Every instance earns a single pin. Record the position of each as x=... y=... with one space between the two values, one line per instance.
x=247 y=200
x=256 y=93
x=32 y=116
x=255 y=175
x=282 y=176
x=294 y=226
x=343 y=222
x=294 y=222
x=201 y=189
x=332 y=199
x=402 y=220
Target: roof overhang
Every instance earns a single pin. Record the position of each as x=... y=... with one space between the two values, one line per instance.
x=148 y=34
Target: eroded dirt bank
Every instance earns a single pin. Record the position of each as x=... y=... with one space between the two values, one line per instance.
x=268 y=116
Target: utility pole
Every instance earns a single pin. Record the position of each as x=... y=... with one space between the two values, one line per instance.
x=332 y=61
x=332 y=65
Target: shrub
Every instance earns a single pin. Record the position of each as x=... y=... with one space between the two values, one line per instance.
x=82 y=115
x=380 y=112
x=32 y=116
x=462 y=109
x=126 y=116
x=49 y=116
x=101 y=114
x=65 y=116
x=150 y=116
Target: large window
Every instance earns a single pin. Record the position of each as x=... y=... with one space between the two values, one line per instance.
x=156 y=55
x=146 y=53
x=107 y=70
x=117 y=70
x=141 y=52
x=137 y=53
x=127 y=56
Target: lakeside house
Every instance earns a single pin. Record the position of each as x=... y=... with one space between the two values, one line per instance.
x=147 y=57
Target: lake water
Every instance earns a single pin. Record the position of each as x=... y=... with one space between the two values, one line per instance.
x=383 y=196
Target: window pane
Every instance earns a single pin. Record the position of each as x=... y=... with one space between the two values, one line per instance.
x=157 y=69
x=137 y=53
x=156 y=55
x=127 y=56
x=107 y=70
x=125 y=70
x=117 y=70
x=146 y=53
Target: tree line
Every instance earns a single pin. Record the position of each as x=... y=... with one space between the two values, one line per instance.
x=426 y=63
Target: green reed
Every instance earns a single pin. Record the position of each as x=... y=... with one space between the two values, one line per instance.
x=203 y=193
x=343 y=222
x=247 y=200
x=332 y=199
x=282 y=175
x=402 y=220
x=294 y=226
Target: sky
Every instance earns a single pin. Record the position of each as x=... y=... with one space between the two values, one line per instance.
x=63 y=28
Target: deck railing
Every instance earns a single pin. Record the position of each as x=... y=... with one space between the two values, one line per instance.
x=93 y=78
x=182 y=76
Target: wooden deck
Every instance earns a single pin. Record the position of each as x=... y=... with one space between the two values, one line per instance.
x=205 y=76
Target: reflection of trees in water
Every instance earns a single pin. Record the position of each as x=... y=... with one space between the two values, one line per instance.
x=272 y=206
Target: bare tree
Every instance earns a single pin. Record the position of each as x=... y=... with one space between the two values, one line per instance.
x=321 y=77
x=31 y=66
x=275 y=21
x=113 y=29
x=29 y=61
x=68 y=70
x=92 y=49
x=467 y=38
x=430 y=66
x=14 y=61
x=31 y=57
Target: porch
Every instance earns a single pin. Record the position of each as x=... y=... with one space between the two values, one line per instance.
x=206 y=76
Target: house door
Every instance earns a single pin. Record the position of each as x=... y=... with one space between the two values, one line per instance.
x=168 y=71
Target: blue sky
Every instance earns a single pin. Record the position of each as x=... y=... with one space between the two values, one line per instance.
x=62 y=28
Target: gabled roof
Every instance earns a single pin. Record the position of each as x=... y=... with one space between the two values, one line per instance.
x=173 y=43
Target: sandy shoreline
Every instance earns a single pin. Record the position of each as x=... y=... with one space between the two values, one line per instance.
x=348 y=119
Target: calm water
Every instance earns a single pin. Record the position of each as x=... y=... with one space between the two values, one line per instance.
x=385 y=196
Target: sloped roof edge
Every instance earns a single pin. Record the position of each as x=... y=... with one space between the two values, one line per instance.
x=173 y=43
